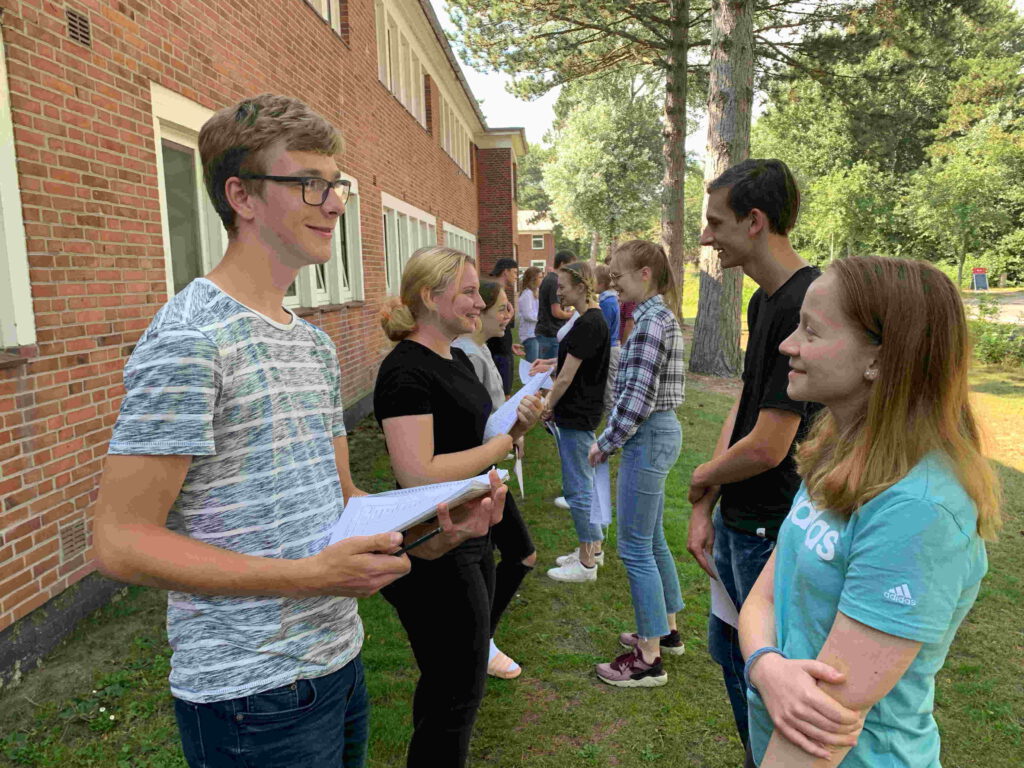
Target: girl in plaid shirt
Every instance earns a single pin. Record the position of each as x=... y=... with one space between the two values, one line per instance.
x=643 y=423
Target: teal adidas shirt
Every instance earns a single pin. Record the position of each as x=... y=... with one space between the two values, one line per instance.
x=909 y=563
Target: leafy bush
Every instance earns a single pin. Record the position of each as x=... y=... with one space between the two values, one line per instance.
x=996 y=343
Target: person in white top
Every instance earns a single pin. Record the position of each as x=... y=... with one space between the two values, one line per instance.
x=528 y=307
x=510 y=536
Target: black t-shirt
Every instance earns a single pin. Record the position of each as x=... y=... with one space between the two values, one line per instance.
x=548 y=324
x=502 y=345
x=583 y=402
x=414 y=380
x=759 y=504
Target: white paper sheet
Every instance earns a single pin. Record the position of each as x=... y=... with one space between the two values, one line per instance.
x=601 y=498
x=503 y=419
x=722 y=605
x=519 y=474
x=401 y=509
x=524 y=375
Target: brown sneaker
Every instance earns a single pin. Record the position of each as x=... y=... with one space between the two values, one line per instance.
x=672 y=643
x=630 y=671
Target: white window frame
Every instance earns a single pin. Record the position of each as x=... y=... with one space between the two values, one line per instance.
x=459 y=239
x=399 y=63
x=330 y=11
x=178 y=119
x=533 y=242
x=17 y=317
x=406 y=229
x=540 y=263
x=454 y=136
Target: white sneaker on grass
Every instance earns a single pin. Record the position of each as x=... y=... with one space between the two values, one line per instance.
x=561 y=503
x=575 y=555
x=573 y=571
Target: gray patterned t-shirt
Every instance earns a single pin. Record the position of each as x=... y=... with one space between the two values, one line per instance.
x=257 y=405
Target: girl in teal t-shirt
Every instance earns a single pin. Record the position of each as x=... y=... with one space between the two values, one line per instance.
x=882 y=554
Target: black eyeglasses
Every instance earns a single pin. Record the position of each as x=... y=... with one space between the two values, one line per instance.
x=314 y=188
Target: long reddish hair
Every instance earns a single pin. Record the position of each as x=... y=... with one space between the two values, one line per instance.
x=919 y=402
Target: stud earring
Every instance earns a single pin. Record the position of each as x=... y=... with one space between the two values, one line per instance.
x=870 y=374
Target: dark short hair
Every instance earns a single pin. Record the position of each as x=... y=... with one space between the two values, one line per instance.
x=564 y=257
x=765 y=184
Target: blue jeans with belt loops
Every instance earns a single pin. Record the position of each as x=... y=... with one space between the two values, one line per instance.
x=646 y=460
x=321 y=722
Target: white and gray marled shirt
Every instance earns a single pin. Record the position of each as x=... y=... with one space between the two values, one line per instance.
x=257 y=404
x=486 y=370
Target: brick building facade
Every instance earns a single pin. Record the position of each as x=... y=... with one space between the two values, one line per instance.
x=536 y=241
x=103 y=216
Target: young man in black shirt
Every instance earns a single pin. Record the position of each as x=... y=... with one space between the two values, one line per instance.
x=751 y=209
x=550 y=314
x=506 y=271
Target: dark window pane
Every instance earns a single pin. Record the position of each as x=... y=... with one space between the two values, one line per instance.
x=343 y=247
x=182 y=213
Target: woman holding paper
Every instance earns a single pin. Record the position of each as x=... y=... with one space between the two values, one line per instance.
x=643 y=423
x=883 y=553
x=433 y=409
x=575 y=404
x=510 y=536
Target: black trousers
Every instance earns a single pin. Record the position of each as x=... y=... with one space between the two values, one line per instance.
x=445 y=607
x=512 y=539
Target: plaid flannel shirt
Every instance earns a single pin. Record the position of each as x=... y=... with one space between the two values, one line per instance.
x=650 y=376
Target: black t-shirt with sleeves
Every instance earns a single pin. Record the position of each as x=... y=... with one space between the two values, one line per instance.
x=414 y=380
x=759 y=504
x=548 y=324
x=583 y=402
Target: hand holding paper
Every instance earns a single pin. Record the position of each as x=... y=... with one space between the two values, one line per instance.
x=504 y=419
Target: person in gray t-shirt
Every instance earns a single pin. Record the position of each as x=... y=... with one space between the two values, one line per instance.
x=229 y=465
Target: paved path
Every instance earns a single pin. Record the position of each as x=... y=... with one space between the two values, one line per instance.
x=1011 y=305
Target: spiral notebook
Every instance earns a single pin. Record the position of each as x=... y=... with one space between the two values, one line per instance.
x=402 y=509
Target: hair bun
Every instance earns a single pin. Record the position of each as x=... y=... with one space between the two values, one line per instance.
x=396 y=319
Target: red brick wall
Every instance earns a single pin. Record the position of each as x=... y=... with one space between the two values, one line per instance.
x=497 y=207
x=528 y=254
x=88 y=177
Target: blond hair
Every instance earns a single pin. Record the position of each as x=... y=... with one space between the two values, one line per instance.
x=581 y=273
x=235 y=141
x=432 y=268
x=919 y=402
x=644 y=253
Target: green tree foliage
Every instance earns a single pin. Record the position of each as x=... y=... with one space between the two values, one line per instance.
x=605 y=175
x=915 y=139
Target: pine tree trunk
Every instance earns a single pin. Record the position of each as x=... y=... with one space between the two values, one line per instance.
x=673 y=197
x=716 y=333
x=595 y=247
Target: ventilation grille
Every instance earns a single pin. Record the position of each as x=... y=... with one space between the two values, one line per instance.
x=72 y=540
x=78 y=27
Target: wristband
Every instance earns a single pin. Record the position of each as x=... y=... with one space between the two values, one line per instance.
x=754 y=657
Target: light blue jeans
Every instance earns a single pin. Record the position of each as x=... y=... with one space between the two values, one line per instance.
x=646 y=460
x=578 y=480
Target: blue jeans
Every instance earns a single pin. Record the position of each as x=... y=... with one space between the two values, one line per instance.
x=739 y=558
x=317 y=723
x=547 y=347
x=578 y=480
x=646 y=460
x=531 y=345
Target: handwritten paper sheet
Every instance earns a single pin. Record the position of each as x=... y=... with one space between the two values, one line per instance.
x=503 y=419
x=722 y=605
x=601 y=497
x=401 y=509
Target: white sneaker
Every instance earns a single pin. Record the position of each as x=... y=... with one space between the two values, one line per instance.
x=575 y=555
x=561 y=503
x=573 y=571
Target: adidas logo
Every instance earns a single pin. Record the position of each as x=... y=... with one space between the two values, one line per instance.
x=900 y=594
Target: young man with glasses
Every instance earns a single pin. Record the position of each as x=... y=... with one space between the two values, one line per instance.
x=229 y=465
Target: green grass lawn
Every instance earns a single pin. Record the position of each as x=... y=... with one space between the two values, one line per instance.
x=556 y=713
